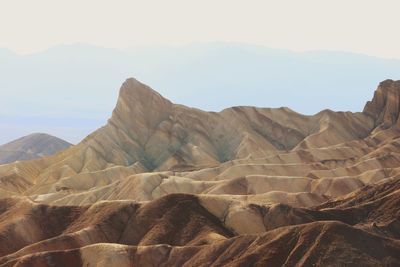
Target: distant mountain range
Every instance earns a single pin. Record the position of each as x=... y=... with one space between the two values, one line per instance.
x=68 y=90
x=31 y=147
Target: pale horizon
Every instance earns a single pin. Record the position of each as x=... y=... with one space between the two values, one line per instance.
x=365 y=27
x=122 y=49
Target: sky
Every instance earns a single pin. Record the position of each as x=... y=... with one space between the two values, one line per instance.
x=362 y=26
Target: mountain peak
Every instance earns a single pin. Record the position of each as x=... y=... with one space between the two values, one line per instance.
x=385 y=105
x=134 y=93
x=139 y=107
x=32 y=146
x=134 y=88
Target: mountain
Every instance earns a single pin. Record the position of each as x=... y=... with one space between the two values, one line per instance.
x=31 y=147
x=162 y=184
x=233 y=74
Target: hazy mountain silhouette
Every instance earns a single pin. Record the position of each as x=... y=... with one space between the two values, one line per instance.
x=32 y=146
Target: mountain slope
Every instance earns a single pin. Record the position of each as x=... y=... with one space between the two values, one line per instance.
x=165 y=184
x=181 y=230
x=30 y=147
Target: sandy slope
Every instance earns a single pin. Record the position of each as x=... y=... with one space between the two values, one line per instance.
x=360 y=229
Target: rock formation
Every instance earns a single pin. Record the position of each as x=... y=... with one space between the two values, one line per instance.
x=162 y=184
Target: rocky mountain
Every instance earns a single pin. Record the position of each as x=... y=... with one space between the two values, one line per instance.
x=162 y=184
x=31 y=147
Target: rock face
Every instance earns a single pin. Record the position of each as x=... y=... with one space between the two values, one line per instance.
x=162 y=184
x=150 y=130
x=31 y=147
x=384 y=107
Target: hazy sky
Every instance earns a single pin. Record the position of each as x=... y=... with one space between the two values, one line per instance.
x=364 y=26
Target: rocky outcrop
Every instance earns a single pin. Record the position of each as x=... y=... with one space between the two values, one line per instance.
x=148 y=130
x=385 y=106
